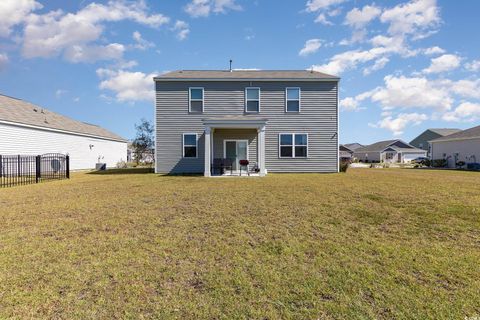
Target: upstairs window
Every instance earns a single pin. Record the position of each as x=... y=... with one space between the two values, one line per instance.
x=252 y=100
x=190 y=145
x=195 y=103
x=293 y=145
x=293 y=99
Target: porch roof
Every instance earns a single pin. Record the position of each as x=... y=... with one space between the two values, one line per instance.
x=235 y=122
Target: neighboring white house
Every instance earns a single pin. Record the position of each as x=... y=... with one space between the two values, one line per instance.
x=392 y=151
x=28 y=129
x=461 y=146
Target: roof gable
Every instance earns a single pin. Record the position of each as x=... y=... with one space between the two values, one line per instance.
x=22 y=112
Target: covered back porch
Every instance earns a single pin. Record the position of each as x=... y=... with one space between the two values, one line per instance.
x=229 y=141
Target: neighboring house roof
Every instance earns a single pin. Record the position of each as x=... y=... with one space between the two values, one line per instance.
x=342 y=147
x=382 y=145
x=376 y=147
x=353 y=146
x=21 y=112
x=444 y=131
x=465 y=134
x=246 y=75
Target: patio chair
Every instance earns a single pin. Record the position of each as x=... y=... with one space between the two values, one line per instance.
x=228 y=165
x=217 y=164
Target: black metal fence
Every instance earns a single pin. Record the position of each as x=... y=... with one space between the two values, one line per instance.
x=21 y=170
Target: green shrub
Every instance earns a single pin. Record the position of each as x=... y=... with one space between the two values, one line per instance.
x=344 y=166
x=439 y=163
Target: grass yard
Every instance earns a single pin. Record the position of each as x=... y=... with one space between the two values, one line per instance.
x=371 y=243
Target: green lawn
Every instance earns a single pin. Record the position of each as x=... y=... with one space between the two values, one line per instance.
x=371 y=243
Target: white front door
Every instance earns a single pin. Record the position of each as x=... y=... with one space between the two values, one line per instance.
x=236 y=150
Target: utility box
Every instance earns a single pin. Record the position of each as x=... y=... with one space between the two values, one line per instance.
x=100 y=166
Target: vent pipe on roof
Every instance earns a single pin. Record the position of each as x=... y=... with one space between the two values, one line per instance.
x=231 y=65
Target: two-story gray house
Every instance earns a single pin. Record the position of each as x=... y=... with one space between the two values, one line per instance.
x=280 y=121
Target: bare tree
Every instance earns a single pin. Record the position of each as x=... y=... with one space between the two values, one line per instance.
x=144 y=142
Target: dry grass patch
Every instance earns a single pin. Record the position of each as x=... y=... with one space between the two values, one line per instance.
x=370 y=243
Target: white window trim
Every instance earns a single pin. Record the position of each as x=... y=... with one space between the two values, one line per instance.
x=189 y=145
x=299 y=99
x=190 y=99
x=259 y=99
x=292 y=145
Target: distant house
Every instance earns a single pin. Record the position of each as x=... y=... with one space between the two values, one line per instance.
x=28 y=129
x=460 y=146
x=421 y=141
x=344 y=153
x=346 y=150
x=393 y=151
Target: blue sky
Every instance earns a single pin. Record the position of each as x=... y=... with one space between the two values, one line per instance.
x=405 y=65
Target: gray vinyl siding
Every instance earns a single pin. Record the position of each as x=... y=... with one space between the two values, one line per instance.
x=318 y=118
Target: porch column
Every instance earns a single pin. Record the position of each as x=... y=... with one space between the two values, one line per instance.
x=261 y=150
x=207 y=152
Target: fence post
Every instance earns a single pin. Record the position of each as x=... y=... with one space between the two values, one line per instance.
x=67 y=167
x=1 y=166
x=18 y=166
x=37 y=169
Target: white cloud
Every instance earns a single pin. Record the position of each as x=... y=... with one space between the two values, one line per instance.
x=464 y=88
x=3 y=60
x=182 y=28
x=383 y=47
x=127 y=86
x=322 y=19
x=399 y=123
x=446 y=62
x=311 y=46
x=416 y=92
x=92 y=53
x=316 y=5
x=203 y=8
x=74 y=35
x=350 y=59
x=379 y=64
x=433 y=51
x=413 y=17
x=466 y=111
x=60 y=93
x=473 y=66
x=323 y=9
x=13 y=12
x=141 y=43
x=349 y=104
x=357 y=18
x=126 y=64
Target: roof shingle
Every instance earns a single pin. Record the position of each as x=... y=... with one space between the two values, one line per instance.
x=465 y=134
x=246 y=75
x=22 y=112
x=444 y=131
